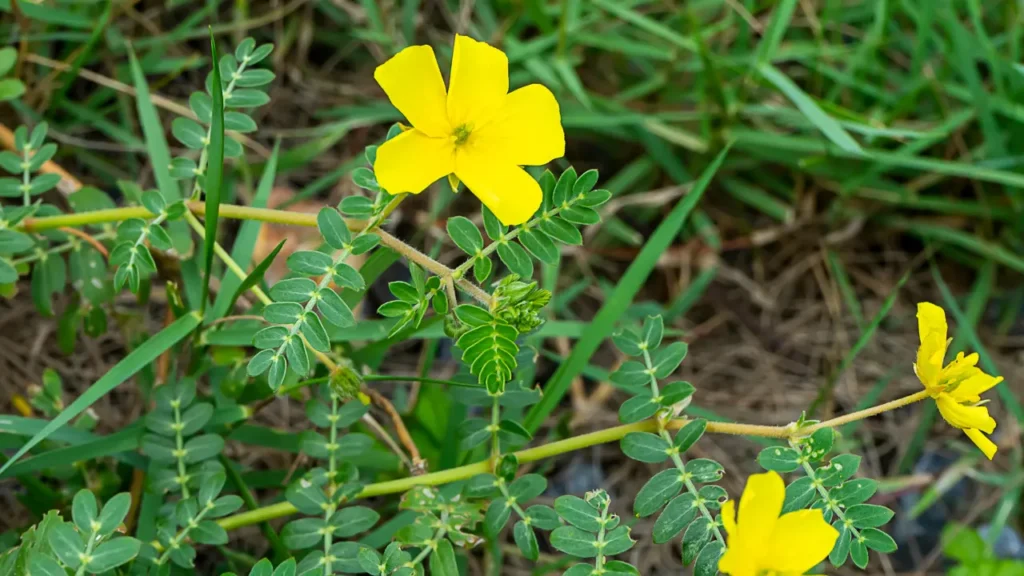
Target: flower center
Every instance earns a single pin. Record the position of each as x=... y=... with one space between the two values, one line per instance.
x=461 y=134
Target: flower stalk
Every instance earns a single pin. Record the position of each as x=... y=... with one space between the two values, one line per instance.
x=573 y=444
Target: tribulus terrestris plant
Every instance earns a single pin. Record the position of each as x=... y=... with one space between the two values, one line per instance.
x=363 y=499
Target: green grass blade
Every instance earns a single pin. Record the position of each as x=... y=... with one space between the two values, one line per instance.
x=215 y=174
x=969 y=242
x=256 y=276
x=123 y=370
x=772 y=37
x=620 y=299
x=49 y=14
x=825 y=123
x=835 y=264
x=115 y=444
x=861 y=342
x=245 y=242
x=697 y=287
x=159 y=154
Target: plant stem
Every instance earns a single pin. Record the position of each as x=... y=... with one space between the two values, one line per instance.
x=237 y=270
x=561 y=447
x=866 y=413
x=183 y=533
x=823 y=492
x=431 y=545
x=332 y=464
x=495 y=421
x=677 y=460
x=88 y=554
x=266 y=215
x=599 y=560
x=179 y=443
x=26 y=175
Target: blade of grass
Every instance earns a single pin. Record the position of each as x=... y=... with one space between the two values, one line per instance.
x=825 y=123
x=772 y=36
x=835 y=264
x=619 y=300
x=697 y=287
x=123 y=370
x=253 y=278
x=159 y=155
x=245 y=242
x=126 y=440
x=214 y=175
x=865 y=337
x=754 y=141
x=969 y=242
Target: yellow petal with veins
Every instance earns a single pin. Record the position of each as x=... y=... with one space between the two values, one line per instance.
x=412 y=161
x=506 y=189
x=964 y=417
x=527 y=130
x=413 y=83
x=800 y=541
x=987 y=447
x=478 y=83
x=971 y=389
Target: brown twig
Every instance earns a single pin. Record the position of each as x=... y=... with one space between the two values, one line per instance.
x=158 y=100
x=419 y=465
x=88 y=238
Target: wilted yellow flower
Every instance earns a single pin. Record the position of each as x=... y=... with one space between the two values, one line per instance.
x=956 y=387
x=761 y=542
x=478 y=130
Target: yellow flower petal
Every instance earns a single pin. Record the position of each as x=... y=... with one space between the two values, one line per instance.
x=736 y=563
x=478 y=83
x=506 y=189
x=412 y=161
x=800 y=541
x=931 y=327
x=971 y=389
x=930 y=318
x=963 y=417
x=728 y=516
x=413 y=83
x=987 y=446
x=527 y=130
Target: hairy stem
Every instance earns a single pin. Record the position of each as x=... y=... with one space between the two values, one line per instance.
x=263 y=215
x=551 y=449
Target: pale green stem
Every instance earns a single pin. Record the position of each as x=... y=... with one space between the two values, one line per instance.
x=87 y=555
x=183 y=533
x=431 y=545
x=26 y=175
x=677 y=460
x=549 y=450
x=179 y=453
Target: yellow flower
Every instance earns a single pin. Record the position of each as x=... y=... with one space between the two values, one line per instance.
x=762 y=543
x=956 y=387
x=478 y=131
